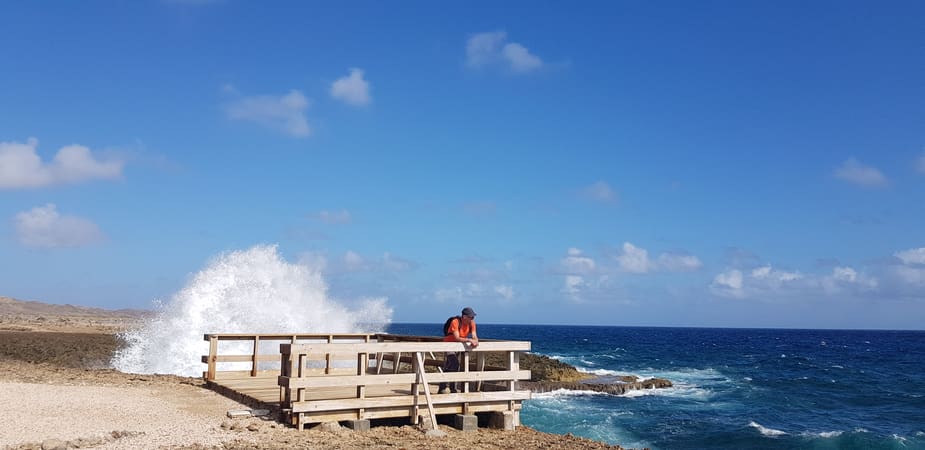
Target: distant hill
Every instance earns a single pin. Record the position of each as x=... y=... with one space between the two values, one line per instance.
x=12 y=306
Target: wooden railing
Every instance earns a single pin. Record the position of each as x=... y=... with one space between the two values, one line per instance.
x=393 y=393
x=323 y=377
x=269 y=356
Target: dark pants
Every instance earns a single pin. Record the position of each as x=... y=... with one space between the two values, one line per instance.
x=450 y=364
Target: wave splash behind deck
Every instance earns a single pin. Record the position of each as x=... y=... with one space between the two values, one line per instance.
x=246 y=291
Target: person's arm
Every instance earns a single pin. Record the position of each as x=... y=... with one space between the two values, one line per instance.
x=454 y=327
x=475 y=337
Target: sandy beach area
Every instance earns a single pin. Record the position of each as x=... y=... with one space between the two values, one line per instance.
x=57 y=393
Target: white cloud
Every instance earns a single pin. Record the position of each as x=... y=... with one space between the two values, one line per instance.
x=520 y=58
x=677 y=262
x=634 y=259
x=392 y=263
x=920 y=164
x=912 y=256
x=353 y=261
x=21 y=166
x=491 y=49
x=505 y=291
x=854 y=172
x=846 y=278
x=600 y=191
x=284 y=113
x=575 y=263
x=388 y=263
x=352 y=89
x=914 y=276
x=774 y=276
x=334 y=217
x=44 y=227
x=458 y=293
x=573 y=287
x=728 y=284
x=315 y=261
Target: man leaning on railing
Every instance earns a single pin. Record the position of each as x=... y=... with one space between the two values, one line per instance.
x=458 y=329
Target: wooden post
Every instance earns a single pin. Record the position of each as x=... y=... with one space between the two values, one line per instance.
x=254 y=356
x=327 y=357
x=213 y=354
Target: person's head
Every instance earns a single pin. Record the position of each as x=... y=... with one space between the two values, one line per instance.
x=468 y=314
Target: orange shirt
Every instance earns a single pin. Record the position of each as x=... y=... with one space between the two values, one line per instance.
x=464 y=331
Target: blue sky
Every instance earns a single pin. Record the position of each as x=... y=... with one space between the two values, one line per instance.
x=730 y=164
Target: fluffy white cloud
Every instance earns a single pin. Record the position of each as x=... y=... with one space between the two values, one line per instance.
x=492 y=49
x=44 y=227
x=353 y=261
x=854 y=172
x=575 y=263
x=912 y=256
x=459 y=293
x=505 y=291
x=21 y=166
x=352 y=88
x=334 y=217
x=520 y=59
x=677 y=262
x=315 y=261
x=599 y=191
x=913 y=276
x=773 y=276
x=573 y=287
x=634 y=259
x=285 y=113
x=729 y=284
x=392 y=263
x=846 y=279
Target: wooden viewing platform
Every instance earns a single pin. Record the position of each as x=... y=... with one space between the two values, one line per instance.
x=313 y=378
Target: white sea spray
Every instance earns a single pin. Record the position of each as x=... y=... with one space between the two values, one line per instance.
x=247 y=291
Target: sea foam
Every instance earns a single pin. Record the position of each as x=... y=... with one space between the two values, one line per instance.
x=247 y=291
x=766 y=431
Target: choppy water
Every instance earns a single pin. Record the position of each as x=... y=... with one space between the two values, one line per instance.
x=734 y=388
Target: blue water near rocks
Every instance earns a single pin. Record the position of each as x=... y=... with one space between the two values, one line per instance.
x=733 y=388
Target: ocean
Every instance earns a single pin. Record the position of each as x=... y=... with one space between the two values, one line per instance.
x=733 y=388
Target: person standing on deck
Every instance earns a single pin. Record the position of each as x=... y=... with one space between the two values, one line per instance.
x=459 y=330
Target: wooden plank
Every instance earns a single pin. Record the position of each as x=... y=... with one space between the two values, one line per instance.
x=243 y=358
x=284 y=337
x=406 y=401
x=419 y=359
x=397 y=379
x=405 y=347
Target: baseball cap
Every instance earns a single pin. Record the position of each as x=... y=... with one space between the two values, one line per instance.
x=467 y=311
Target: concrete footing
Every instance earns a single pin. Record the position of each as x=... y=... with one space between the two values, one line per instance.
x=357 y=425
x=466 y=422
x=502 y=420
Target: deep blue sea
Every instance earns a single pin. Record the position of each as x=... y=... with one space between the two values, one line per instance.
x=733 y=388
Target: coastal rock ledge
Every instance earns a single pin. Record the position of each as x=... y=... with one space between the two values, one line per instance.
x=550 y=375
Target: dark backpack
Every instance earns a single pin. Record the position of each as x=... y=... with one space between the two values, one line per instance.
x=446 y=325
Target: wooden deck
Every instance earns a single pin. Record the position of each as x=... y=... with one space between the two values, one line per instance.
x=320 y=378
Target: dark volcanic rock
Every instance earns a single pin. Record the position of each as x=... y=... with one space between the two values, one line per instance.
x=607 y=388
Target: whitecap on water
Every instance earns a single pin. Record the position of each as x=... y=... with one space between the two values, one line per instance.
x=766 y=431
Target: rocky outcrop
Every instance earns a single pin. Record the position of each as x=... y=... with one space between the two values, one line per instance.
x=548 y=374
x=617 y=388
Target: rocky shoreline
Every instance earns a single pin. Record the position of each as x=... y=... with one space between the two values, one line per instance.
x=551 y=375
